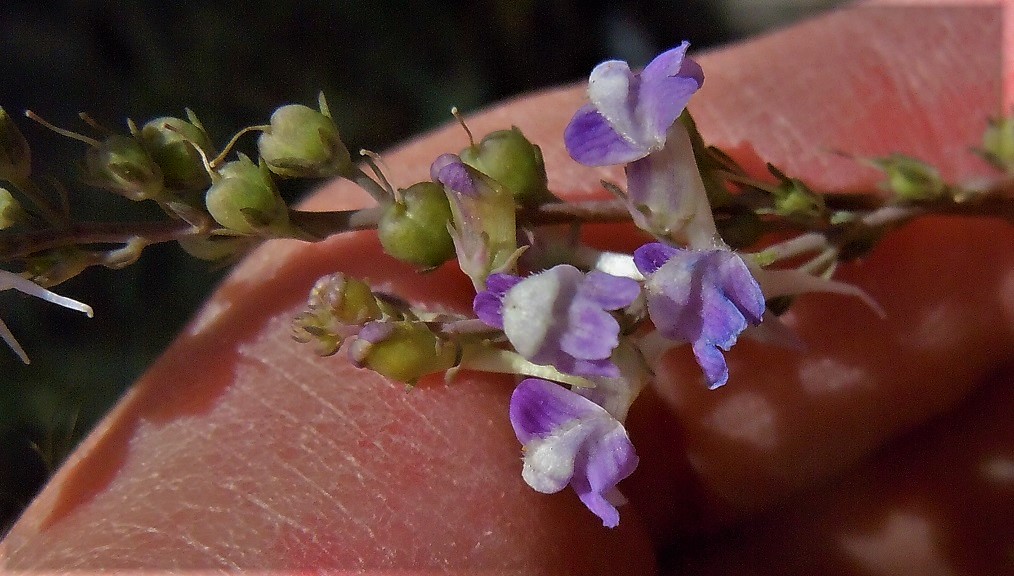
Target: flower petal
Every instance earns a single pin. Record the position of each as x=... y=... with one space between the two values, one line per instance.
x=607 y=291
x=591 y=140
x=650 y=257
x=608 y=458
x=449 y=170
x=488 y=304
x=667 y=83
x=612 y=89
x=539 y=408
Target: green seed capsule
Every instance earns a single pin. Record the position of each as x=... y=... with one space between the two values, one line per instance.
x=415 y=229
x=170 y=142
x=512 y=160
x=402 y=351
x=121 y=165
x=304 y=143
x=245 y=199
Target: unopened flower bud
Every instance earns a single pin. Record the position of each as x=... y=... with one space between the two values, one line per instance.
x=998 y=143
x=794 y=199
x=512 y=160
x=244 y=198
x=484 y=228
x=414 y=230
x=121 y=165
x=337 y=308
x=347 y=299
x=304 y=143
x=909 y=178
x=402 y=351
x=15 y=155
x=11 y=212
x=171 y=143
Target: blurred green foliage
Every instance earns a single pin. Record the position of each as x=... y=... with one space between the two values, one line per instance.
x=389 y=69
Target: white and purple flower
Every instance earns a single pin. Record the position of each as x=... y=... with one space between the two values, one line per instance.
x=633 y=120
x=559 y=317
x=704 y=297
x=630 y=114
x=568 y=439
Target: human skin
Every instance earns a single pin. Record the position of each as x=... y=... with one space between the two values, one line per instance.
x=884 y=447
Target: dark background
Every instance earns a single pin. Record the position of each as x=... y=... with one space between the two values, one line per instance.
x=389 y=69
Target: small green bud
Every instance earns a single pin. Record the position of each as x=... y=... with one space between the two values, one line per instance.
x=121 y=165
x=512 y=160
x=15 y=155
x=402 y=351
x=170 y=142
x=794 y=199
x=244 y=198
x=337 y=305
x=304 y=143
x=414 y=230
x=998 y=143
x=909 y=178
x=11 y=212
x=347 y=299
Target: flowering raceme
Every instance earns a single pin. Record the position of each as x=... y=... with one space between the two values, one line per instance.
x=584 y=328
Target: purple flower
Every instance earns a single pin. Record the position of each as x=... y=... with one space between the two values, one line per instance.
x=559 y=317
x=705 y=297
x=630 y=114
x=568 y=439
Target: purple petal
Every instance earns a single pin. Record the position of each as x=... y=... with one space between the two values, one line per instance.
x=608 y=459
x=593 y=333
x=449 y=170
x=500 y=283
x=488 y=304
x=665 y=90
x=666 y=64
x=592 y=141
x=603 y=367
x=488 y=307
x=663 y=102
x=691 y=69
x=712 y=362
x=538 y=408
x=707 y=298
x=650 y=257
x=607 y=291
x=740 y=287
